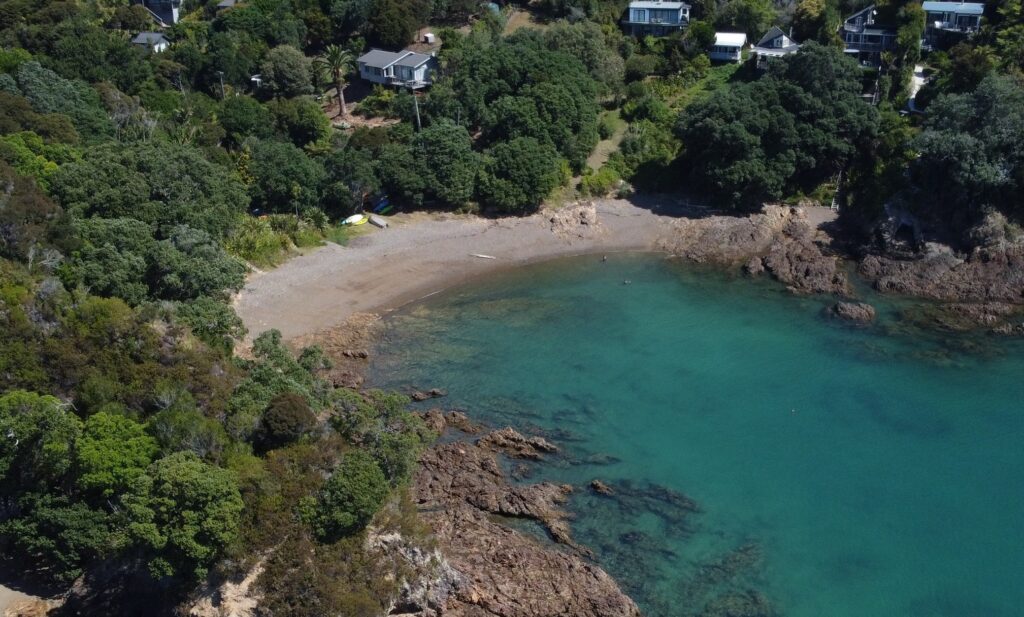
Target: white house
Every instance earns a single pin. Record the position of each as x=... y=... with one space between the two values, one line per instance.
x=397 y=68
x=954 y=16
x=656 y=17
x=152 y=41
x=728 y=46
x=774 y=44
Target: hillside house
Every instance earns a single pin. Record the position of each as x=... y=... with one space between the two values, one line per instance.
x=656 y=17
x=865 y=39
x=165 y=12
x=397 y=68
x=728 y=46
x=947 y=23
x=774 y=44
x=151 y=41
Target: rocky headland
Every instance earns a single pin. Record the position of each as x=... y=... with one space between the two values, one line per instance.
x=493 y=569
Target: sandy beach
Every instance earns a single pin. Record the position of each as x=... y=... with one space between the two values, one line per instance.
x=420 y=254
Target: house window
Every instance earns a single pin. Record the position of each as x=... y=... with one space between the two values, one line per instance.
x=640 y=15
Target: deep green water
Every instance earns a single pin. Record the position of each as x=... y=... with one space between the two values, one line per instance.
x=862 y=472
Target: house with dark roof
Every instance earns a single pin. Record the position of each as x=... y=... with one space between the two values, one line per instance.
x=226 y=4
x=397 y=68
x=165 y=12
x=774 y=44
x=865 y=39
x=151 y=41
x=656 y=17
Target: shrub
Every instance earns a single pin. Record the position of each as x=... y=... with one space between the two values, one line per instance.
x=286 y=419
x=601 y=183
x=349 y=498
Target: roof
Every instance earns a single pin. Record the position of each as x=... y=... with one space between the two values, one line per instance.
x=655 y=4
x=149 y=38
x=963 y=8
x=730 y=39
x=772 y=34
x=413 y=59
x=381 y=58
x=226 y=4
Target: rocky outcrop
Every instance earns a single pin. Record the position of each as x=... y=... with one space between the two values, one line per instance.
x=779 y=240
x=857 y=312
x=460 y=488
x=986 y=275
x=579 y=221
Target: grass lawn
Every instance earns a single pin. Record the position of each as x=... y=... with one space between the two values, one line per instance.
x=605 y=147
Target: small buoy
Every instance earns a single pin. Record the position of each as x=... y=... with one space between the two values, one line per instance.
x=605 y=258
x=626 y=282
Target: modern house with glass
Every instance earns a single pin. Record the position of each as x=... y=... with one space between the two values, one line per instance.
x=656 y=17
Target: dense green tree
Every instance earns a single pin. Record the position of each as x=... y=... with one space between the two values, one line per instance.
x=451 y=163
x=349 y=498
x=971 y=156
x=111 y=453
x=16 y=114
x=391 y=23
x=56 y=535
x=244 y=116
x=28 y=218
x=301 y=120
x=351 y=178
x=50 y=93
x=287 y=72
x=182 y=512
x=790 y=130
x=517 y=175
x=39 y=435
x=285 y=178
x=160 y=184
x=752 y=17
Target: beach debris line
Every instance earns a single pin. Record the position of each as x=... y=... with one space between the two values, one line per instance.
x=481 y=256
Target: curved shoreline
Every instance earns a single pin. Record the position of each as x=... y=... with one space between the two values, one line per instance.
x=420 y=255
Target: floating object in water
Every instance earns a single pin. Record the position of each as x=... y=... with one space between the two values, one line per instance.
x=627 y=282
x=355 y=219
x=483 y=256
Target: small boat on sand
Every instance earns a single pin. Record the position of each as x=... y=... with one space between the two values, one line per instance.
x=356 y=219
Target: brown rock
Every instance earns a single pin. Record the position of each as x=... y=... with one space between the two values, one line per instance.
x=510 y=442
x=779 y=240
x=601 y=488
x=459 y=488
x=755 y=266
x=362 y=354
x=859 y=312
x=985 y=275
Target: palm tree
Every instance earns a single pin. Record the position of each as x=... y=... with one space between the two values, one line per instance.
x=337 y=61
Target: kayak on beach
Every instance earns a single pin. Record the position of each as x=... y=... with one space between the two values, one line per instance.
x=355 y=219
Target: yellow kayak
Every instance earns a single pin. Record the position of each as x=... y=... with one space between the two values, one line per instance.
x=356 y=219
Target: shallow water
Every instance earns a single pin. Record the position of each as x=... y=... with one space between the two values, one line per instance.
x=836 y=470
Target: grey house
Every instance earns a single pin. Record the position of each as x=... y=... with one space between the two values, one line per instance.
x=774 y=44
x=865 y=39
x=656 y=17
x=152 y=41
x=397 y=68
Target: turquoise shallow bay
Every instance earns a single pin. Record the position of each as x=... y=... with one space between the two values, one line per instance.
x=870 y=473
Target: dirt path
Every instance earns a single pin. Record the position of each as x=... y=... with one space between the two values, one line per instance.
x=421 y=254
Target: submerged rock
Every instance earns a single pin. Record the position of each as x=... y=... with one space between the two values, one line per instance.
x=601 y=488
x=742 y=604
x=859 y=312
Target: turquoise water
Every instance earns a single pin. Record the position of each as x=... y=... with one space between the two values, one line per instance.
x=836 y=471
